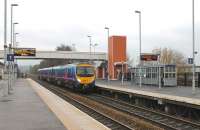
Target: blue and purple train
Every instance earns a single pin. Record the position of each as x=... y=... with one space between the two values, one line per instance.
x=76 y=76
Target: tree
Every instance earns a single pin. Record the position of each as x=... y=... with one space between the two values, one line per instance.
x=129 y=60
x=63 y=47
x=170 y=56
x=53 y=62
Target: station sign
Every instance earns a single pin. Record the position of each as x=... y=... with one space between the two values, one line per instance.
x=24 y=52
x=10 y=57
x=149 y=57
x=190 y=60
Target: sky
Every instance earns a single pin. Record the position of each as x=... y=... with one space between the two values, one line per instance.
x=45 y=24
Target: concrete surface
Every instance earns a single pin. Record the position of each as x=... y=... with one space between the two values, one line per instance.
x=70 y=116
x=181 y=94
x=24 y=110
x=175 y=91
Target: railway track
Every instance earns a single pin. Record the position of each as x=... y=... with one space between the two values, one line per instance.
x=104 y=119
x=159 y=119
x=163 y=120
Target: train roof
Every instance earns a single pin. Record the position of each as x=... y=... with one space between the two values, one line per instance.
x=67 y=65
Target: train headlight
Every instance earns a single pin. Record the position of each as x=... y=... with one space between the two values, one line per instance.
x=78 y=80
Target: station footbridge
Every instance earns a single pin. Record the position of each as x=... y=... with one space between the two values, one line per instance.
x=73 y=55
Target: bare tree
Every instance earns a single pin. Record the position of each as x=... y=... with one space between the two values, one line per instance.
x=63 y=47
x=53 y=62
x=129 y=60
x=170 y=56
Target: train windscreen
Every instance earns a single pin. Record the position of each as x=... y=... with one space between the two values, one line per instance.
x=85 y=71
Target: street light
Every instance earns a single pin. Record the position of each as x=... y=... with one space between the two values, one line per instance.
x=108 y=31
x=193 y=51
x=14 y=40
x=17 y=44
x=5 y=44
x=94 y=45
x=90 y=40
x=11 y=24
x=12 y=48
x=140 y=40
x=73 y=47
x=15 y=61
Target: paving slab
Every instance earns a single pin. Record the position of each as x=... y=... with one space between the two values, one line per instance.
x=70 y=116
x=183 y=91
x=24 y=110
x=180 y=93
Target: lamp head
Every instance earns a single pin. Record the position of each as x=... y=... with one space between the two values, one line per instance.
x=137 y=12
x=14 y=4
x=106 y=28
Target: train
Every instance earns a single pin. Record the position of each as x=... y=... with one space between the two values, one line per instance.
x=79 y=77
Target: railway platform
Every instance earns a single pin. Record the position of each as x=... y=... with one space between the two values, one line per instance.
x=180 y=94
x=32 y=107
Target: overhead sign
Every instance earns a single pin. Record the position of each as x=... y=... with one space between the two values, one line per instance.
x=24 y=51
x=149 y=57
x=10 y=57
x=190 y=60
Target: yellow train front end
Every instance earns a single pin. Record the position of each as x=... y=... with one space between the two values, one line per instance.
x=85 y=77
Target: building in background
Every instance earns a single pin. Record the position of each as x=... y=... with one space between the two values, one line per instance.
x=117 y=56
x=117 y=59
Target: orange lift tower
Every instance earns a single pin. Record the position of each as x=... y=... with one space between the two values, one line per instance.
x=117 y=56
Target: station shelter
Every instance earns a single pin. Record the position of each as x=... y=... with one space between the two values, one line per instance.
x=165 y=75
x=185 y=75
x=116 y=65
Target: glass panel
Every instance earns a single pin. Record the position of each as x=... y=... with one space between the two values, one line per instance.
x=85 y=71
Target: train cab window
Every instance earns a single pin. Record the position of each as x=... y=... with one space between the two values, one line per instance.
x=85 y=71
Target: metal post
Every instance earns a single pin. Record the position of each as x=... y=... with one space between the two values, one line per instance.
x=11 y=40
x=90 y=40
x=159 y=76
x=73 y=45
x=159 y=70
x=11 y=26
x=140 y=40
x=14 y=46
x=94 y=47
x=193 y=51
x=108 y=31
x=9 y=69
x=11 y=64
x=5 y=40
x=122 y=74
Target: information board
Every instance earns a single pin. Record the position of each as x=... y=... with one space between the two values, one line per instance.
x=149 y=57
x=24 y=52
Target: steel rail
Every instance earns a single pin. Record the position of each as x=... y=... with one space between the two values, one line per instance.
x=101 y=117
x=164 y=120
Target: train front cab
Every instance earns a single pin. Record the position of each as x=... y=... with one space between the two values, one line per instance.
x=85 y=77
